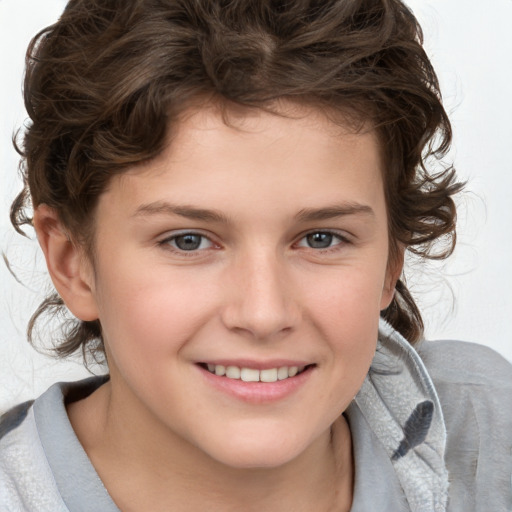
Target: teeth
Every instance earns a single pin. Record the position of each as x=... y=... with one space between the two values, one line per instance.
x=233 y=372
x=282 y=373
x=268 y=375
x=292 y=371
x=249 y=375
x=253 y=375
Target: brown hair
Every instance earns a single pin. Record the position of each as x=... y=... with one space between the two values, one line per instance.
x=104 y=84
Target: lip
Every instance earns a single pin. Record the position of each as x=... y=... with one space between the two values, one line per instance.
x=257 y=392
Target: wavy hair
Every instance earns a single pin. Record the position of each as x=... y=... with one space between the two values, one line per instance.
x=104 y=85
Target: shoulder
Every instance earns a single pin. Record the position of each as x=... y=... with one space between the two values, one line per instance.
x=26 y=481
x=466 y=364
x=474 y=385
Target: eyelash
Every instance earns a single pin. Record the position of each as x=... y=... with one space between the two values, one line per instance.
x=342 y=240
x=167 y=242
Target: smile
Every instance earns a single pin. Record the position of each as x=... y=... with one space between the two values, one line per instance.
x=253 y=374
x=256 y=382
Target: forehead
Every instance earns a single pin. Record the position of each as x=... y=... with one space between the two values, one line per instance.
x=269 y=123
x=294 y=156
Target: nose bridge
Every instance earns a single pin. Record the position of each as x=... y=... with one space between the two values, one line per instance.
x=261 y=301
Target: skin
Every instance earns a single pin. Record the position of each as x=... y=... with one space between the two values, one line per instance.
x=255 y=289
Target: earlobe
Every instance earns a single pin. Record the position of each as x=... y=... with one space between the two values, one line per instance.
x=70 y=272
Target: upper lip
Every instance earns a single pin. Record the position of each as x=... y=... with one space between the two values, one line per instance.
x=258 y=365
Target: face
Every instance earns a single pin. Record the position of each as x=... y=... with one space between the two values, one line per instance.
x=239 y=278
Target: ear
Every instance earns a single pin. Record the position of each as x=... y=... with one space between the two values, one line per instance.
x=70 y=270
x=393 y=271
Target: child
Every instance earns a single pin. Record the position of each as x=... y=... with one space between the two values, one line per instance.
x=224 y=192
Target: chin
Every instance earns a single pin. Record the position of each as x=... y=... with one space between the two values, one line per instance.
x=256 y=460
x=259 y=450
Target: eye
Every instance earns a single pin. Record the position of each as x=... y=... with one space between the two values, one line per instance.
x=187 y=242
x=321 y=240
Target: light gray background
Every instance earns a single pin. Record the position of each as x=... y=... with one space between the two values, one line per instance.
x=470 y=44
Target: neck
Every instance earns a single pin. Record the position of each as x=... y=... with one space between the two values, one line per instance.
x=144 y=472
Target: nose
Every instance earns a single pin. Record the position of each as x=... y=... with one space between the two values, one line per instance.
x=260 y=299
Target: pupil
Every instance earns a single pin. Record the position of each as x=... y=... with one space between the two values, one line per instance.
x=319 y=240
x=188 y=242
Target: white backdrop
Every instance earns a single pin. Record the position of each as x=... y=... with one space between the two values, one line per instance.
x=467 y=298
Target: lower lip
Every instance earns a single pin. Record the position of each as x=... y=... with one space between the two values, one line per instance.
x=257 y=392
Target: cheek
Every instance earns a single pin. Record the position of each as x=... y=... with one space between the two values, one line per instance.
x=348 y=297
x=151 y=312
x=346 y=312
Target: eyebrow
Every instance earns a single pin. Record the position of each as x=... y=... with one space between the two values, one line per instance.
x=334 y=211
x=202 y=214
x=187 y=211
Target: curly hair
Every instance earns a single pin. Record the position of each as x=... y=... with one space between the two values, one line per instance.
x=104 y=84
